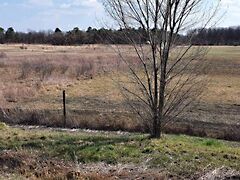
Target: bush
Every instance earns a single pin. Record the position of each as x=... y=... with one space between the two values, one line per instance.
x=41 y=69
x=85 y=69
x=63 y=68
x=44 y=70
x=25 y=70
x=15 y=93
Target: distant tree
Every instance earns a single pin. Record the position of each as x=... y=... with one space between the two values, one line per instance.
x=89 y=29
x=92 y=35
x=76 y=36
x=37 y=37
x=76 y=30
x=1 y=35
x=216 y=36
x=1 y=30
x=58 y=38
x=57 y=30
x=10 y=34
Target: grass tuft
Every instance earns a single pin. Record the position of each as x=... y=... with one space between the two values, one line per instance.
x=3 y=126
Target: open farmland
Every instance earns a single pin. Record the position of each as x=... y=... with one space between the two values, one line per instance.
x=34 y=76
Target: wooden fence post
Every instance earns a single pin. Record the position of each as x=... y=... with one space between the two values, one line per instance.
x=64 y=109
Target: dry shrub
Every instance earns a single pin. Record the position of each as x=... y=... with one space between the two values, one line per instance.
x=114 y=122
x=89 y=67
x=204 y=129
x=85 y=68
x=31 y=116
x=109 y=121
x=16 y=93
x=42 y=69
x=19 y=116
x=26 y=69
x=231 y=133
x=71 y=67
x=63 y=68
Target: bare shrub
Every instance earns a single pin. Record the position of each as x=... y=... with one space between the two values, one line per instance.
x=63 y=68
x=78 y=70
x=16 y=93
x=31 y=116
x=42 y=69
x=25 y=68
x=86 y=68
x=20 y=116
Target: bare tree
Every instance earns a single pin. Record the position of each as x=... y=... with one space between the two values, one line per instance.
x=163 y=78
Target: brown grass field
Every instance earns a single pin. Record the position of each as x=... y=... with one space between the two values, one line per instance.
x=34 y=76
x=31 y=83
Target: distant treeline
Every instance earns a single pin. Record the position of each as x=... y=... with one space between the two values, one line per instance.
x=73 y=37
x=213 y=36
x=216 y=36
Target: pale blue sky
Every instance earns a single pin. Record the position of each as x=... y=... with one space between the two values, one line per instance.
x=25 y=15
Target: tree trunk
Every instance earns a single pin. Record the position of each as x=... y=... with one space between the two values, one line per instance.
x=156 y=127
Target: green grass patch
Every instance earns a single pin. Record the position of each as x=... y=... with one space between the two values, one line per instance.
x=179 y=154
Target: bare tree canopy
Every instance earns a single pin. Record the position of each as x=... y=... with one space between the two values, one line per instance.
x=165 y=75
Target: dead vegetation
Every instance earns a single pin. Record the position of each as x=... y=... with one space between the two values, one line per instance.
x=42 y=69
x=15 y=93
x=34 y=167
x=32 y=82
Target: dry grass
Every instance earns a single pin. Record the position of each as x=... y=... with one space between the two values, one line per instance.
x=74 y=62
x=34 y=77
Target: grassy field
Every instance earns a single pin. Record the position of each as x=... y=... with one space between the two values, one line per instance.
x=33 y=78
x=64 y=63
x=31 y=84
x=47 y=153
